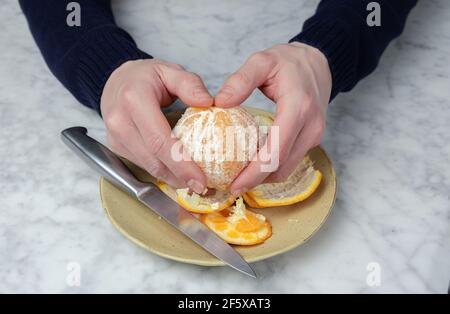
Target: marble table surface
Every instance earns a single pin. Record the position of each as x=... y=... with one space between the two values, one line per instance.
x=389 y=140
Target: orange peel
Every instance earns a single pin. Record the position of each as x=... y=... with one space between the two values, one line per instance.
x=238 y=225
x=200 y=204
x=300 y=185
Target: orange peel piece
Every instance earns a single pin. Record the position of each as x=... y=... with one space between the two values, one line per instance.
x=300 y=185
x=238 y=225
x=201 y=204
x=250 y=201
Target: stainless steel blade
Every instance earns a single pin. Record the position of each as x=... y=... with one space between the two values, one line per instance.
x=194 y=229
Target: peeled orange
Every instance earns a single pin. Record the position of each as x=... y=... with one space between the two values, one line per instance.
x=221 y=141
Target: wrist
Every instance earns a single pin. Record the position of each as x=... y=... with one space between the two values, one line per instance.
x=110 y=45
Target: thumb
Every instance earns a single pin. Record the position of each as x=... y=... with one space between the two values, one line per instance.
x=187 y=86
x=241 y=84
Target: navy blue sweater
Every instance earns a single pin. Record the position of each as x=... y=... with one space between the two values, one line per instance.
x=83 y=57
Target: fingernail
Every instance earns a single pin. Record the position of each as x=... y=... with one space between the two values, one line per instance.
x=239 y=192
x=196 y=186
x=201 y=94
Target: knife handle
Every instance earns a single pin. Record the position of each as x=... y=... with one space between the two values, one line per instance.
x=102 y=160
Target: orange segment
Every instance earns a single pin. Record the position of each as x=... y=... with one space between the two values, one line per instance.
x=300 y=185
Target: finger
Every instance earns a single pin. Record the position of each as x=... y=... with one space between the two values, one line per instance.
x=276 y=150
x=301 y=147
x=128 y=143
x=158 y=140
x=121 y=150
x=309 y=137
x=240 y=85
x=152 y=165
x=187 y=86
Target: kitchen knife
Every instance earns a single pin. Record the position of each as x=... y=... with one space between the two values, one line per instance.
x=104 y=161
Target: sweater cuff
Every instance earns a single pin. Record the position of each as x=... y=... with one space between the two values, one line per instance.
x=332 y=39
x=98 y=54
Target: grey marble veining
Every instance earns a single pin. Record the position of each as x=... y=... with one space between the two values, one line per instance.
x=389 y=140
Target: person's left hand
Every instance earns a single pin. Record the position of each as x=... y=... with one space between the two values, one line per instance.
x=297 y=78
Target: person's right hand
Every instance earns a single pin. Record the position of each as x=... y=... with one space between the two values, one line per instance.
x=138 y=130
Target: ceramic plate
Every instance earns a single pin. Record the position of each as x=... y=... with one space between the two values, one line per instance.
x=291 y=225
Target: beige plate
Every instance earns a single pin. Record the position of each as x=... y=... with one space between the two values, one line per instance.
x=292 y=225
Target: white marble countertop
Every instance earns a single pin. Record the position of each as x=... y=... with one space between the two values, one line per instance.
x=389 y=140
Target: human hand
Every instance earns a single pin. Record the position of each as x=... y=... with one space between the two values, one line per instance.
x=138 y=130
x=298 y=79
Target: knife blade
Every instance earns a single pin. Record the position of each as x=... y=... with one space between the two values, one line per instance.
x=104 y=161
